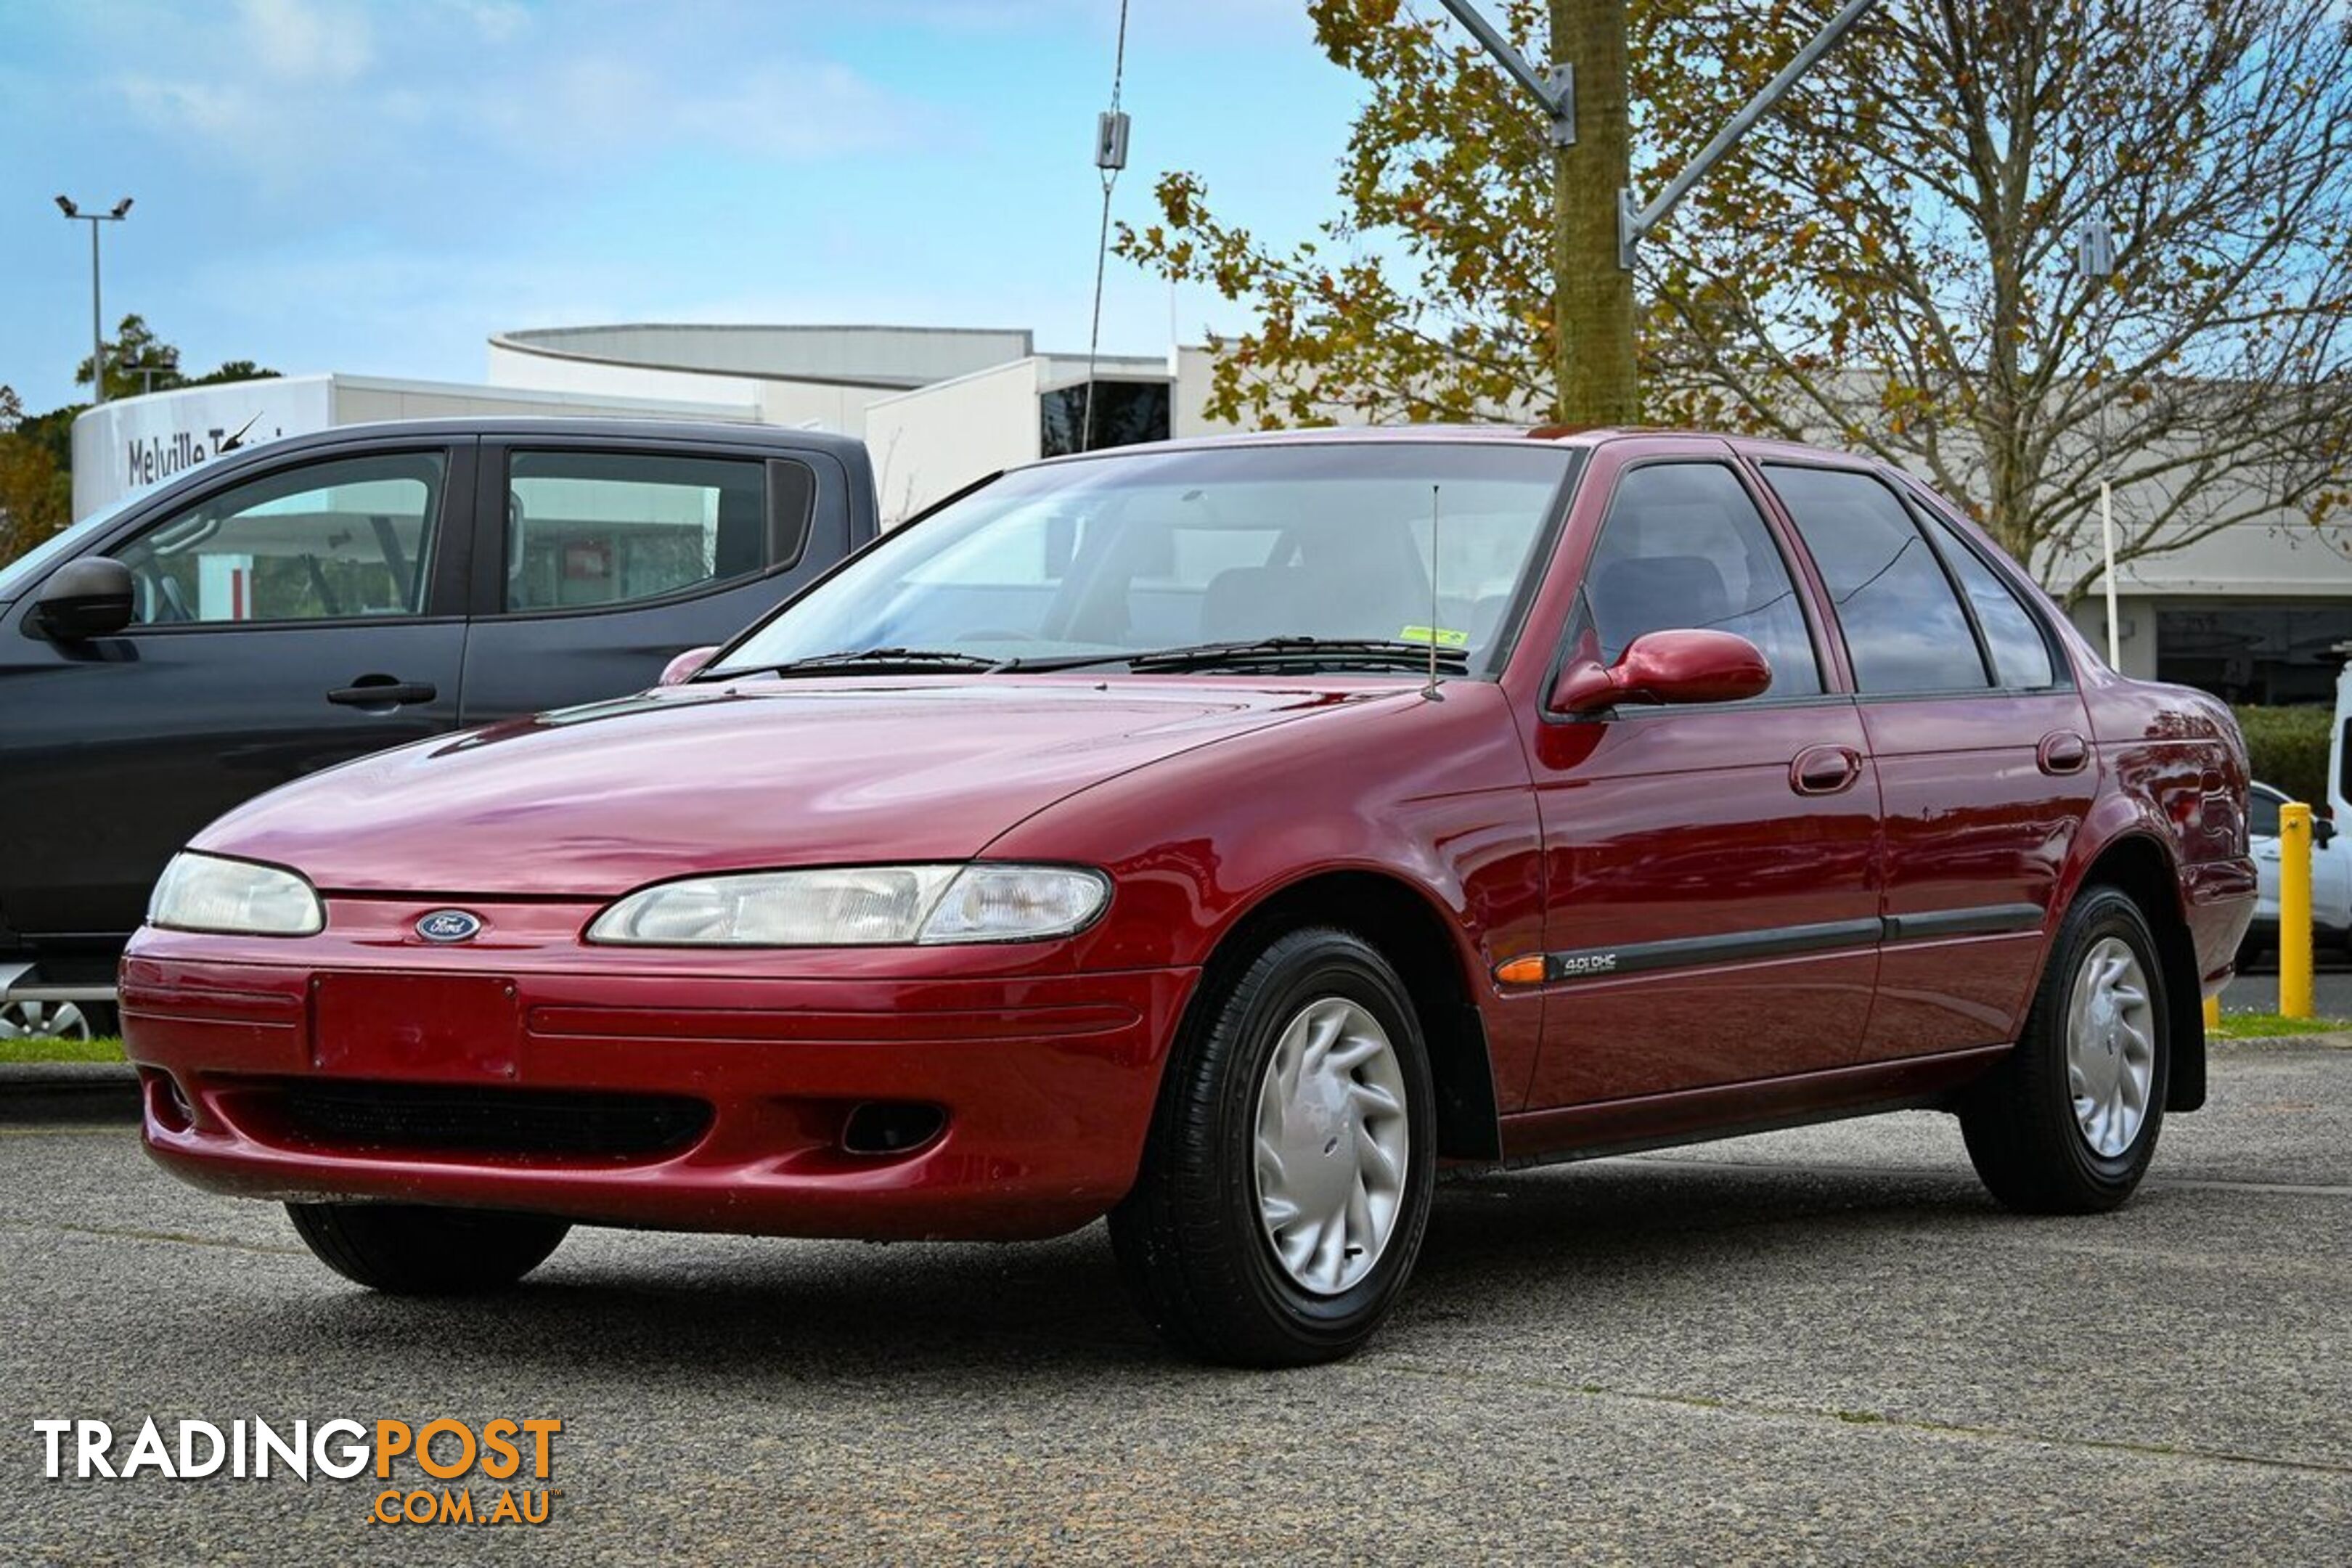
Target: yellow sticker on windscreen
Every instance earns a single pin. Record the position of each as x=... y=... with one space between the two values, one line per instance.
x=1444 y=636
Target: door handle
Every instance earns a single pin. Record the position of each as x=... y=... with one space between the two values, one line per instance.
x=382 y=691
x=1824 y=770
x=2062 y=752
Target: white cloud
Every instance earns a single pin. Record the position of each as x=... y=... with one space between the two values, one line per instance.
x=327 y=41
x=304 y=90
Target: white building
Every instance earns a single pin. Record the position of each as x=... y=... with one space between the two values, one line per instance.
x=2251 y=612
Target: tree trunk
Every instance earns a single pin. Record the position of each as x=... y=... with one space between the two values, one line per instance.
x=1592 y=296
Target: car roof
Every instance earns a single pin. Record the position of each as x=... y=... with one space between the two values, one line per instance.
x=607 y=426
x=1582 y=436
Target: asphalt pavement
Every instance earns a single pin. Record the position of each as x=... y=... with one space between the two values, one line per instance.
x=2256 y=990
x=1818 y=1346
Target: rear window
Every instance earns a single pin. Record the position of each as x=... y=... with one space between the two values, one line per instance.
x=1904 y=627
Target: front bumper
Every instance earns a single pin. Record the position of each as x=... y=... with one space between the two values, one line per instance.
x=546 y=1077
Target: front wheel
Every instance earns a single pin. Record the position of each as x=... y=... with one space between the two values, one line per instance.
x=2069 y=1123
x=1286 y=1183
x=407 y=1249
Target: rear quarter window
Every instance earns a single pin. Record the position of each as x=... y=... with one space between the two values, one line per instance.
x=2012 y=634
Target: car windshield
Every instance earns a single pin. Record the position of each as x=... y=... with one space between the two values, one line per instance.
x=20 y=574
x=1151 y=550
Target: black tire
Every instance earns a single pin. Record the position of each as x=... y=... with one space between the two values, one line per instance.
x=408 y=1250
x=2022 y=1133
x=1191 y=1246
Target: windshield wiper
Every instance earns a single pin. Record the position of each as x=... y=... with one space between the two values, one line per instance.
x=900 y=661
x=1387 y=653
x=1382 y=653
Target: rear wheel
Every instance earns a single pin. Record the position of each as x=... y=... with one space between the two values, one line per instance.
x=2069 y=1123
x=29 y=1019
x=1286 y=1183
x=410 y=1250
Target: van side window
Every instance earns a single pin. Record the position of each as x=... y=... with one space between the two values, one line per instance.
x=2261 y=813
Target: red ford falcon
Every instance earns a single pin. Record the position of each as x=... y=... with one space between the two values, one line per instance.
x=1224 y=837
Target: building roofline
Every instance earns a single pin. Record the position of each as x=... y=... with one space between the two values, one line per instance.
x=592 y=404
x=534 y=340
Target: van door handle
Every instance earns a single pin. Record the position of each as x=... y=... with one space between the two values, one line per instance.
x=1824 y=770
x=382 y=691
x=2062 y=752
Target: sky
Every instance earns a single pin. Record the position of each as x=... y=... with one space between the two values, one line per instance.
x=375 y=188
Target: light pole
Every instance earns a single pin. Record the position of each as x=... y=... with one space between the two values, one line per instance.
x=96 y=318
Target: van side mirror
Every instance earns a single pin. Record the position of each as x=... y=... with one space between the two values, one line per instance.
x=1682 y=665
x=686 y=666
x=86 y=598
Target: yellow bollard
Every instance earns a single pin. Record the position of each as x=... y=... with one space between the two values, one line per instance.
x=2295 y=910
x=2212 y=1012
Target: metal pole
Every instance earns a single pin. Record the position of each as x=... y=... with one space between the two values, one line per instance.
x=1547 y=92
x=97 y=324
x=2107 y=533
x=1635 y=226
x=2295 y=910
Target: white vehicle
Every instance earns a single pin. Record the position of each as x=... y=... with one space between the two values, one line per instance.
x=2331 y=873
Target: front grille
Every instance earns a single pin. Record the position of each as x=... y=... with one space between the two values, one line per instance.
x=422 y=1117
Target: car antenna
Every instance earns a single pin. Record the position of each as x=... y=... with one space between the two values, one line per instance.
x=1430 y=692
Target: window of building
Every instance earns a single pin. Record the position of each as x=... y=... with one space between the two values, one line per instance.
x=1125 y=414
x=2269 y=653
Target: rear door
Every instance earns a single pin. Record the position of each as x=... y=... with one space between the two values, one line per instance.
x=295 y=618
x=596 y=561
x=1981 y=746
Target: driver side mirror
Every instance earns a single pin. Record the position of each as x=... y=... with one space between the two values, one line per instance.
x=86 y=598
x=1682 y=666
x=686 y=666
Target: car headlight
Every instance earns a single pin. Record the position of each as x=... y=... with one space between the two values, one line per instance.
x=858 y=906
x=241 y=897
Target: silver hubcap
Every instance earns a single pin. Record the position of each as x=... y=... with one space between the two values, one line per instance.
x=2110 y=1046
x=27 y=1020
x=1332 y=1145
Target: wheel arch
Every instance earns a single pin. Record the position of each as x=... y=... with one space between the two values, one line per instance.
x=1418 y=939
x=2140 y=866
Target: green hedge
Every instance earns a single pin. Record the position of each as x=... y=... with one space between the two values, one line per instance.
x=2289 y=747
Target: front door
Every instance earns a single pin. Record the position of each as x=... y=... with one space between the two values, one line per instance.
x=286 y=623
x=1712 y=895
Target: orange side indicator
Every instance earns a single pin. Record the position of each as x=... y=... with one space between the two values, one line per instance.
x=1527 y=971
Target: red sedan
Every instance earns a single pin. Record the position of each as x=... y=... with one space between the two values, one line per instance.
x=1224 y=837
